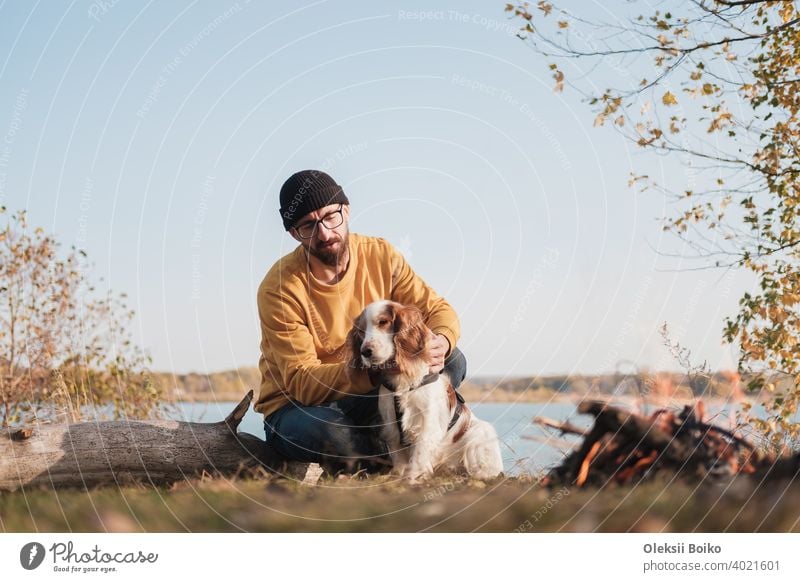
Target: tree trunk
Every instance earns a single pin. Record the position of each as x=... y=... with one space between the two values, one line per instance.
x=116 y=452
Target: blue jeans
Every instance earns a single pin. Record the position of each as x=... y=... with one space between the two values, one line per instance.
x=342 y=435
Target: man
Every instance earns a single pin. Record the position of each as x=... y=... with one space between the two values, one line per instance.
x=316 y=407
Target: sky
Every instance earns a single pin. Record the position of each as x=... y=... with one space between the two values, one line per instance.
x=156 y=135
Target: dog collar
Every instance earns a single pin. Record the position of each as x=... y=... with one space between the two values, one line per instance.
x=425 y=381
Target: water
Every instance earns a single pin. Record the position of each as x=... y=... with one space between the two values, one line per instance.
x=526 y=448
x=512 y=421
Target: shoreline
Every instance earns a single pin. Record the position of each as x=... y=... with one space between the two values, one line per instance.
x=500 y=396
x=662 y=388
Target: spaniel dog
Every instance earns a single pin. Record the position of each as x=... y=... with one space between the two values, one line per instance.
x=425 y=422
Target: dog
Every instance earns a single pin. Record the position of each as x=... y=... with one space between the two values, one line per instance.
x=425 y=422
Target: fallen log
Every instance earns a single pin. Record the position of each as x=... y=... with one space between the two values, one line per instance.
x=122 y=452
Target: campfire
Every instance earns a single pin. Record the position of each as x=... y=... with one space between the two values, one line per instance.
x=623 y=447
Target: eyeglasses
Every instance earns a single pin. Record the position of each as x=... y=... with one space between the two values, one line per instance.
x=329 y=221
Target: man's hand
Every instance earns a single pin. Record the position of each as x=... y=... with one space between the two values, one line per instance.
x=438 y=346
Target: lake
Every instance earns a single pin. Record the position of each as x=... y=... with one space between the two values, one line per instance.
x=526 y=448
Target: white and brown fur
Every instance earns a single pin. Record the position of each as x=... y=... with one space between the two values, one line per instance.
x=392 y=339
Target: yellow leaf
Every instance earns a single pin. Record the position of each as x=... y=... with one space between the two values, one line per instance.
x=669 y=99
x=545 y=7
x=787 y=11
x=789 y=299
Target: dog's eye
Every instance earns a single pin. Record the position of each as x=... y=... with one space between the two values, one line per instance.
x=382 y=322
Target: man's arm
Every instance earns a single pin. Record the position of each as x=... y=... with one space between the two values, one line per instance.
x=290 y=344
x=408 y=288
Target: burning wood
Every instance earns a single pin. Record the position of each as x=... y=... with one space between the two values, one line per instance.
x=623 y=447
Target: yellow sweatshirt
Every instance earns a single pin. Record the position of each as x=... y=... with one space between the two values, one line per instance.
x=304 y=322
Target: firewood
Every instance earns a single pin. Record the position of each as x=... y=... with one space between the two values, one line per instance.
x=623 y=447
x=564 y=427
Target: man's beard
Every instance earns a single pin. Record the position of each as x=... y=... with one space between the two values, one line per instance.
x=328 y=255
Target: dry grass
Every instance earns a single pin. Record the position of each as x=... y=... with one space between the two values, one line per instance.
x=381 y=504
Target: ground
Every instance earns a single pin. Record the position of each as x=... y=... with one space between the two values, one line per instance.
x=380 y=504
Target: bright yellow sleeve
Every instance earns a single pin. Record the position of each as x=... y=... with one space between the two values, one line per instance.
x=408 y=288
x=286 y=337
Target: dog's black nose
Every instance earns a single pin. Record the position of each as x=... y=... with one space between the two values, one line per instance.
x=366 y=352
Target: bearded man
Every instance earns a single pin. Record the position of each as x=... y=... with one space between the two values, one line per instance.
x=317 y=408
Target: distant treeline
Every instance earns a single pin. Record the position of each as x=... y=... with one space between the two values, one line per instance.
x=670 y=384
x=232 y=384
x=227 y=385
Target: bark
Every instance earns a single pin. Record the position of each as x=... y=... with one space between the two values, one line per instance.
x=116 y=452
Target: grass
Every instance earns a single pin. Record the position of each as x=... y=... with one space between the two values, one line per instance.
x=381 y=504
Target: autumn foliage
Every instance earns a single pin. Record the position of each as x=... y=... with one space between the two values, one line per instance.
x=716 y=85
x=65 y=348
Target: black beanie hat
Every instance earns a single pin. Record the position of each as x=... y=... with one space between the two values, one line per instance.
x=307 y=191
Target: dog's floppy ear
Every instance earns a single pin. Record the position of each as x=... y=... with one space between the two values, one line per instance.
x=410 y=337
x=355 y=338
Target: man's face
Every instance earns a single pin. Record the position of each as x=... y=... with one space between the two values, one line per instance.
x=326 y=244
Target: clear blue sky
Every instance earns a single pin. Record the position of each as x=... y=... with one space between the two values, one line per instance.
x=156 y=136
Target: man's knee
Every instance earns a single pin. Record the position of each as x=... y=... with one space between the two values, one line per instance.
x=317 y=434
x=305 y=431
x=455 y=366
